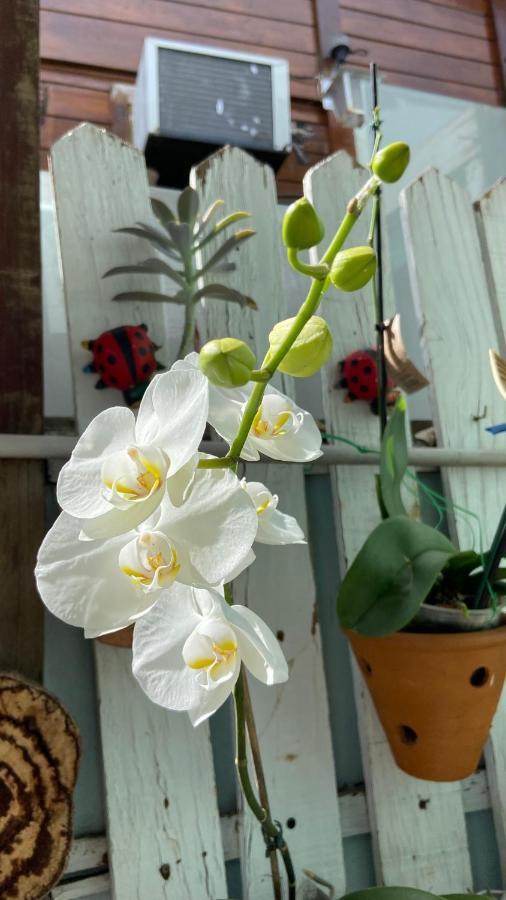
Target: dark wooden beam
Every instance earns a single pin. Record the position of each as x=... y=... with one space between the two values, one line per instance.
x=499 y=16
x=21 y=519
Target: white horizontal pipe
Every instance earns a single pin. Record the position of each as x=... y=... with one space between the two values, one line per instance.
x=54 y=446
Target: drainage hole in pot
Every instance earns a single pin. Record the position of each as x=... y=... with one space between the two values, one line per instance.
x=408 y=735
x=365 y=666
x=480 y=677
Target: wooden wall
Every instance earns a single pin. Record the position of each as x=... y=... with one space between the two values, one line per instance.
x=87 y=45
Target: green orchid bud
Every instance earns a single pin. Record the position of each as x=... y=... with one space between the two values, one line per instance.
x=353 y=268
x=390 y=163
x=310 y=350
x=227 y=362
x=302 y=228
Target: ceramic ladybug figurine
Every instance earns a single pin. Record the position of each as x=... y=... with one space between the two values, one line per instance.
x=358 y=373
x=124 y=358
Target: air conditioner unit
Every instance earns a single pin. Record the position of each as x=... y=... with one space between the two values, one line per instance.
x=190 y=100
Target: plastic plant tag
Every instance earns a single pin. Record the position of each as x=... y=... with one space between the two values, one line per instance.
x=400 y=367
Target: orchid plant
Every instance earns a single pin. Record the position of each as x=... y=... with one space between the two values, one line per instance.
x=153 y=531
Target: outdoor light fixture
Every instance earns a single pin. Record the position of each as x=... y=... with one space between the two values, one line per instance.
x=341 y=86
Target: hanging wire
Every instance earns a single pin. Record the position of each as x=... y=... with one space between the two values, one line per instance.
x=439 y=503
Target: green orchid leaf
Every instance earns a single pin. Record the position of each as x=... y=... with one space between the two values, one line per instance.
x=155 y=238
x=151 y=266
x=393 y=893
x=181 y=234
x=162 y=212
x=188 y=206
x=394 y=461
x=222 y=292
x=181 y=298
x=391 y=576
x=231 y=244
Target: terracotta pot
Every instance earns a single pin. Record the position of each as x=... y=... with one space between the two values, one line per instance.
x=435 y=695
x=122 y=638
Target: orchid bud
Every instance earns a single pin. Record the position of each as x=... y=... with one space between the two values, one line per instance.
x=353 y=268
x=302 y=228
x=310 y=350
x=390 y=163
x=227 y=362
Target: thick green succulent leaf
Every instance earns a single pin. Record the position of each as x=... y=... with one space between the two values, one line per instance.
x=181 y=234
x=391 y=576
x=230 y=244
x=162 y=212
x=394 y=461
x=181 y=298
x=220 y=226
x=151 y=266
x=155 y=238
x=210 y=211
x=391 y=893
x=222 y=292
x=188 y=206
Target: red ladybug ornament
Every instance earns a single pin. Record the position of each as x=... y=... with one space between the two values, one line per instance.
x=358 y=373
x=124 y=358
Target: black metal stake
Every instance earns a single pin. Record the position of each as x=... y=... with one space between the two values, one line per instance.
x=380 y=316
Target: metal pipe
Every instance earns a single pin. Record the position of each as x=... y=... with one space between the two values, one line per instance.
x=55 y=446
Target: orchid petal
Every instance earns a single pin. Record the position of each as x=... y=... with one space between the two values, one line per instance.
x=279 y=528
x=159 y=638
x=80 y=488
x=216 y=525
x=179 y=485
x=119 y=521
x=259 y=649
x=210 y=701
x=174 y=414
x=81 y=583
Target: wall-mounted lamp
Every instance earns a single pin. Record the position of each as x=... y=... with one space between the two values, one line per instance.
x=341 y=86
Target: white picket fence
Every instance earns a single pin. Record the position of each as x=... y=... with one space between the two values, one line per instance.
x=160 y=784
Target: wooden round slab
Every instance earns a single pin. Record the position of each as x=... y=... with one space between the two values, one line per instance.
x=39 y=757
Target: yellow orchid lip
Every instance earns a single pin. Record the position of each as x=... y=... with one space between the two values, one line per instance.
x=145 y=478
x=262 y=428
x=156 y=566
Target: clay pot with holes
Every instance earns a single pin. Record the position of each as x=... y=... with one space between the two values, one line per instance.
x=123 y=638
x=435 y=695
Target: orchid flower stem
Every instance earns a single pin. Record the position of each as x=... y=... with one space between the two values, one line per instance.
x=223 y=462
x=320 y=271
x=308 y=308
x=271 y=831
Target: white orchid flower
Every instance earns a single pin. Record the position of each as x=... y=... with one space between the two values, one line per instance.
x=103 y=586
x=121 y=468
x=274 y=527
x=188 y=649
x=281 y=429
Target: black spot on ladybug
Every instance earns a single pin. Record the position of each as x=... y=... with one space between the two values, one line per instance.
x=142 y=351
x=139 y=334
x=363 y=388
x=99 y=348
x=101 y=368
x=146 y=367
x=354 y=362
x=354 y=379
x=367 y=370
x=113 y=380
x=111 y=359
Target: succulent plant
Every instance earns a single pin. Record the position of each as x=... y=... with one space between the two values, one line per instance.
x=179 y=239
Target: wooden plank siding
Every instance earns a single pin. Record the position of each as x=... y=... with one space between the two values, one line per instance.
x=445 y=46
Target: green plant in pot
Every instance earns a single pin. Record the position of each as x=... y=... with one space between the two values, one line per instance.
x=424 y=621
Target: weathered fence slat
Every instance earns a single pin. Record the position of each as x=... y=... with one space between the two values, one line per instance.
x=292 y=719
x=161 y=798
x=460 y=320
x=424 y=845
